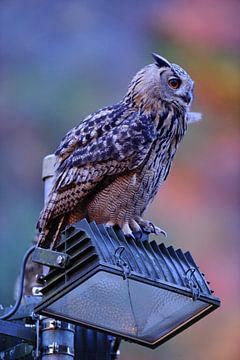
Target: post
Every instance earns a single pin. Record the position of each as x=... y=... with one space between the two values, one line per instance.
x=48 y=170
x=56 y=337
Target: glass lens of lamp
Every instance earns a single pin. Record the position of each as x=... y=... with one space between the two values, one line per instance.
x=128 y=308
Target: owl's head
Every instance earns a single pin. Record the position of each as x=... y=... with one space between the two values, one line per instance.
x=161 y=81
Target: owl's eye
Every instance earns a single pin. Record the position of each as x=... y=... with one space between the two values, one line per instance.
x=174 y=83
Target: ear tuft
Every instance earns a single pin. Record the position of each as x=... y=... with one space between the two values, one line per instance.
x=160 y=61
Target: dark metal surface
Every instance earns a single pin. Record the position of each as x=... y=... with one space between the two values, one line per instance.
x=26 y=309
x=17 y=330
x=20 y=351
x=96 y=345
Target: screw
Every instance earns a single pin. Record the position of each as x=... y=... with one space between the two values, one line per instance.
x=60 y=260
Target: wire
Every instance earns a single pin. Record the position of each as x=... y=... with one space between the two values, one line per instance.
x=21 y=281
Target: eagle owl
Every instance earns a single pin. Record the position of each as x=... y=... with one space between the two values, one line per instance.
x=111 y=165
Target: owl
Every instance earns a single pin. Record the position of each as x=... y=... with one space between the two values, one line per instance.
x=111 y=165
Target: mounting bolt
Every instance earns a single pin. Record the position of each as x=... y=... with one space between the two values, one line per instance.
x=60 y=260
x=40 y=278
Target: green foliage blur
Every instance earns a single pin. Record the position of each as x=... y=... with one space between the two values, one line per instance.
x=61 y=60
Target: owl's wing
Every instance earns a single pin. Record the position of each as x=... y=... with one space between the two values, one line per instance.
x=91 y=128
x=111 y=148
x=107 y=143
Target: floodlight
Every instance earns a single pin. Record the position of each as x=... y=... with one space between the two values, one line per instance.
x=133 y=289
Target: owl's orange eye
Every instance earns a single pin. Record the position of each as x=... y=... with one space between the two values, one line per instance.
x=174 y=83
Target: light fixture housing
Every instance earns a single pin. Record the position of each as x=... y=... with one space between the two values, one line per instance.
x=133 y=289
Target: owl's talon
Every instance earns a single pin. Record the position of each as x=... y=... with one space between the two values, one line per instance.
x=135 y=227
x=150 y=228
x=157 y=230
x=127 y=230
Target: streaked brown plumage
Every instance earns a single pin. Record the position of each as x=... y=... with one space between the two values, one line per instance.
x=111 y=165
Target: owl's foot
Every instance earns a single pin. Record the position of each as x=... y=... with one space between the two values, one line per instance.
x=137 y=227
x=148 y=227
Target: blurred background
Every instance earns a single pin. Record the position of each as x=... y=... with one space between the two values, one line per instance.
x=61 y=60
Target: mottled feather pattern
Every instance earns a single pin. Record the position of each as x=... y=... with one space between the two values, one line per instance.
x=110 y=133
x=110 y=166
x=97 y=155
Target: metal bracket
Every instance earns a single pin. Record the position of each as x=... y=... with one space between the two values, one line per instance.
x=50 y=258
x=58 y=349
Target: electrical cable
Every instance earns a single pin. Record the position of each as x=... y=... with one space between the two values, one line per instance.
x=21 y=281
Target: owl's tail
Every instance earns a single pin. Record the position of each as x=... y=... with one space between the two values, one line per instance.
x=50 y=231
x=56 y=215
x=49 y=237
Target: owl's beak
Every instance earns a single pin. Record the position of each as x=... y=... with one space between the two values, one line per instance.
x=187 y=98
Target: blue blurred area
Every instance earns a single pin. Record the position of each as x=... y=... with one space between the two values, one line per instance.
x=61 y=60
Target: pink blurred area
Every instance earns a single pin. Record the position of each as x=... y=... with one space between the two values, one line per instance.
x=63 y=60
x=210 y=24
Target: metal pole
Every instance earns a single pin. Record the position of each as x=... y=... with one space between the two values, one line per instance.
x=48 y=171
x=56 y=337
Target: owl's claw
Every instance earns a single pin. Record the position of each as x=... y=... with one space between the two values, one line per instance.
x=157 y=230
x=150 y=228
x=136 y=228
x=125 y=227
x=127 y=230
